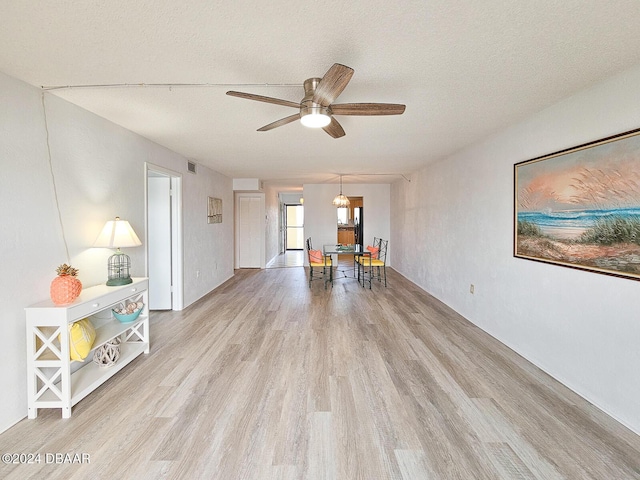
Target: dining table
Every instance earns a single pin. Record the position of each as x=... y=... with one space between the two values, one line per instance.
x=357 y=251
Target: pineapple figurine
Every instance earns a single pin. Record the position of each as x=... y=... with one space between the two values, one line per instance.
x=65 y=288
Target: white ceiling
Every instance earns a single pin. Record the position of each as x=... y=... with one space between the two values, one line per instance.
x=464 y=68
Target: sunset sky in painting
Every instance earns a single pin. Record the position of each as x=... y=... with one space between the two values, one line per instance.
x=602 y=177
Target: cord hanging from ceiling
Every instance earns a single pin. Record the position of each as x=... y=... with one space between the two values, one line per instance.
x=165 y=85
x=53 y=179
x=379 y=175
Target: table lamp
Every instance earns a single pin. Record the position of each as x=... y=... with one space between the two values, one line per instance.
x=118 y=234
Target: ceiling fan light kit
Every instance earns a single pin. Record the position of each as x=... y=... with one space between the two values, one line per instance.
x=316 y=110
x=314 y=117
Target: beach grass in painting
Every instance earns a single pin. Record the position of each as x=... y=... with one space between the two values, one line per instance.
x=614 y=230
x=581 y=207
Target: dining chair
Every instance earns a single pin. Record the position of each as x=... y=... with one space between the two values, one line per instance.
x=319 y=262
x=376 y=260
x=356 y=258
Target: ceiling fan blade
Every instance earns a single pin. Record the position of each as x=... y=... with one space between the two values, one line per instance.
x=281 y=122
x=332 y=84
x=334 y=129
x=260 y=98
x=367 y=109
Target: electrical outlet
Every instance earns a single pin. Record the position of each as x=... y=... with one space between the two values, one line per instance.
x=471 y=288
x=197 y=273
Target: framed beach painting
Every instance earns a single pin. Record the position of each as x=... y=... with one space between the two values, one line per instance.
x=580 y=207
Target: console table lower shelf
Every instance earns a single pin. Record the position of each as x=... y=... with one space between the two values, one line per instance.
x=51 y=381
x=86 y=379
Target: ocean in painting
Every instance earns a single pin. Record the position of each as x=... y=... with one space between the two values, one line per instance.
x=570 y=224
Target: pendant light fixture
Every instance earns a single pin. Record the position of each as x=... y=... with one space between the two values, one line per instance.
x=340 y=200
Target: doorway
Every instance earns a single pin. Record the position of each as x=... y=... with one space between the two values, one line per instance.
x=294 y=227
x=250 y=230
x=351 y=222
x=163 y=245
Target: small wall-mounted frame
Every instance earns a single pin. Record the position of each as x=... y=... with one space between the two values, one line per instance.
x=214 y=210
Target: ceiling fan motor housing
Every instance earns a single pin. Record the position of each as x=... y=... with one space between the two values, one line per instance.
x=308 y=107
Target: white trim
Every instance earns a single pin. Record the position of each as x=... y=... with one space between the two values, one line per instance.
x=177 y=269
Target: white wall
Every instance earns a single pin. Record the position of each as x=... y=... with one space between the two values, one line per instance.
x=246 y=184
x=99 y=171
x=320 y=217
x=453 y=226
x=290 y=198
x=208 y=247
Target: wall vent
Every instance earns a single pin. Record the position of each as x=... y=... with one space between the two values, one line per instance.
x=191 y=166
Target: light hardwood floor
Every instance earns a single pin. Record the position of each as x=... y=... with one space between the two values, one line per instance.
x=290 y=258
x=267 y=379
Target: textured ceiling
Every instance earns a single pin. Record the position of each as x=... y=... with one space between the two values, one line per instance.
x=465 y=69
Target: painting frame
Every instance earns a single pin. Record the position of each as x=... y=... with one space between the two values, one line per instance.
x=580 y=207
x=214 y=210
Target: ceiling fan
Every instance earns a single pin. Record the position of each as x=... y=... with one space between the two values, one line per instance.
x=316 y=109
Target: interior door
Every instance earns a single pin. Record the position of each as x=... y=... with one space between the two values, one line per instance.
x=159 y=242
x=249 y=234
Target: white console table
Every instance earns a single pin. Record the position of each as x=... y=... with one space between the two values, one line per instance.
x=51 y=382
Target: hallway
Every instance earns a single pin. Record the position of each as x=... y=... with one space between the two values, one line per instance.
x=290 y=258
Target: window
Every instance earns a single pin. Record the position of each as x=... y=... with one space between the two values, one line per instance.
x=343 y=215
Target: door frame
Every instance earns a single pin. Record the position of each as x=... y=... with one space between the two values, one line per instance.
x=177 y=254
x=286 y=226
x=261 y=227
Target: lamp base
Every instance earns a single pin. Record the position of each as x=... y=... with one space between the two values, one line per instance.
x=113 y=282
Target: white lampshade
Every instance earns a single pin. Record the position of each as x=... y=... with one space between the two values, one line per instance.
x=117 y=234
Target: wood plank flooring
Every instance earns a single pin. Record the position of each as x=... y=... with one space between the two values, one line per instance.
x=267 y=379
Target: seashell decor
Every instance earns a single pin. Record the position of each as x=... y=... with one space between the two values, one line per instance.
x=128 y=307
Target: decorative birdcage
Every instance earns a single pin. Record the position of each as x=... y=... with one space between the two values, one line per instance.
x=118 y=267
